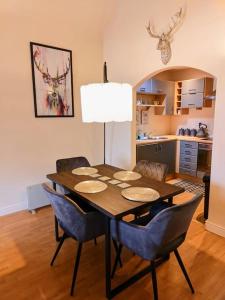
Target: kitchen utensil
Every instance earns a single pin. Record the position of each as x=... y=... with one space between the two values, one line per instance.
x=142 y=194
x=187 y=131
x=181 y=131
x=193 y=132
x=202 y=131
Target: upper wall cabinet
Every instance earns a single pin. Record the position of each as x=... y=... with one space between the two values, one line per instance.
x=193 y=86
x=153 y=86
x=192 y=94
x=163 y=93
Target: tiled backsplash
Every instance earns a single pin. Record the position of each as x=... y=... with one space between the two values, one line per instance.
x=159 y=125
x=206 y=116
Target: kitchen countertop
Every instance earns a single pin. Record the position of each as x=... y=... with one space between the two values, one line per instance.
x=174 y=138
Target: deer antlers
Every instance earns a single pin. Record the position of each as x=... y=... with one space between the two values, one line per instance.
x=46 y=76
x=166 y=37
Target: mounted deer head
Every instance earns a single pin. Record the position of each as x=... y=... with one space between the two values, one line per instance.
x=166 y=37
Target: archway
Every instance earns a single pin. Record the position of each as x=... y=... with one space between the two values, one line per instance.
x=176 y=103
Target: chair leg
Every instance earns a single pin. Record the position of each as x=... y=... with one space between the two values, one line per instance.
x=154 y=280
x=58 y=248
x=117 y=260
x=117 y=248
x=184 y=270
x=76 y=268
x=57 y=238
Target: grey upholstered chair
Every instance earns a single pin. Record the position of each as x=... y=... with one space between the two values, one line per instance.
x=75 y=223
x=162 y=235
x=157 y=171
x=68 y=164
x=153 y=170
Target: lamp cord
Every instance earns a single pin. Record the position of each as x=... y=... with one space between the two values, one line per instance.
x=105 y=79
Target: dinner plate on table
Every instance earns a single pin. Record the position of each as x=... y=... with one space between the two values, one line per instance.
x=142 y=194
x=127 y=175
x=90 y=186
x=84 y=171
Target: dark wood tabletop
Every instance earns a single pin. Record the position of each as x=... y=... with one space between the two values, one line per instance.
x=111 y=202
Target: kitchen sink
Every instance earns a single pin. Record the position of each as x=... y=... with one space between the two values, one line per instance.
x=158 y=138
x=155 y=138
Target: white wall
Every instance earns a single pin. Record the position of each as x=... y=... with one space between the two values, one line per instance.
x=29 y=145
x=132 y=56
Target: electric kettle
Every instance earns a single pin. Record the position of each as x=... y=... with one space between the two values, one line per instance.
x=202 y=131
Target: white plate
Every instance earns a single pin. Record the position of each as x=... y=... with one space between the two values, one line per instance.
x=84 y=171
x=90 y=186
x=127 y=175
x=141 y=194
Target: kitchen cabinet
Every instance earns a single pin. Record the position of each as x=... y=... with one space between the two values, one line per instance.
x=169 y=101
x=188 y=158
x=164 y=152
x=194 y=92
x=193 y=86
x=153 y=86
x=192 y=100
x=160 y=91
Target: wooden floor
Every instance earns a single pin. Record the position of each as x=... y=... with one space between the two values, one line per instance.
x=27 y=244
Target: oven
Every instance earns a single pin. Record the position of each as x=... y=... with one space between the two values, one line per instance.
x=204 y=159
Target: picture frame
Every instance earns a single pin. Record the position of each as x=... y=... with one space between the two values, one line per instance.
x=52 y=77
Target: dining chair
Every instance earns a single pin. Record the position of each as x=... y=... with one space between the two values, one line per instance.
x=76 y=224
x=157 y=171
x=163 y=234
x=68 y=164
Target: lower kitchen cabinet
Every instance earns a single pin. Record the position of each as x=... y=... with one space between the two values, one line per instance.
x=164 y=152
x=188 y=158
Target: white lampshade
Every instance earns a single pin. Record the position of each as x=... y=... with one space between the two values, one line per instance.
x=106 y=102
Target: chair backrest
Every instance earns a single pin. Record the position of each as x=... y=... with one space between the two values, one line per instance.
x=69 y=215
x=152 y=170
x=68 y=164
x=167 y=230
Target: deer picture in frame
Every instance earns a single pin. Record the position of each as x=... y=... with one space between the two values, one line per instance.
x=52 y=81
x=166 y=37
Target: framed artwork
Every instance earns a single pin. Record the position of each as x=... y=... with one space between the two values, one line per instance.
x=144 y=117
x=52 y=81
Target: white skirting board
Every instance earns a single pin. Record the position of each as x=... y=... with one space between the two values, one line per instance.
x=36 y=197
x=13 y=208
x=212 y=227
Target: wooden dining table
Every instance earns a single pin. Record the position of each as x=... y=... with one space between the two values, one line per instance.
x=113 y=205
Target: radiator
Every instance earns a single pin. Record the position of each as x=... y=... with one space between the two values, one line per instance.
x=36 y=197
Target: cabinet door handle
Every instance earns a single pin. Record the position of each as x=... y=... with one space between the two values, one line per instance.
x=188 y=152
x=188 y=146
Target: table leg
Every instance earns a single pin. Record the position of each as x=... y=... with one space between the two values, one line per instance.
x=108 y=259
x=170 y=200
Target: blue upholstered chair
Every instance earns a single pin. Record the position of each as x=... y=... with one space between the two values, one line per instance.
x=75 y=223
x=163 y=234
x=68 y=164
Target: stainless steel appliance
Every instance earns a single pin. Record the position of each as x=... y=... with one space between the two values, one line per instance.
x=204 y=159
